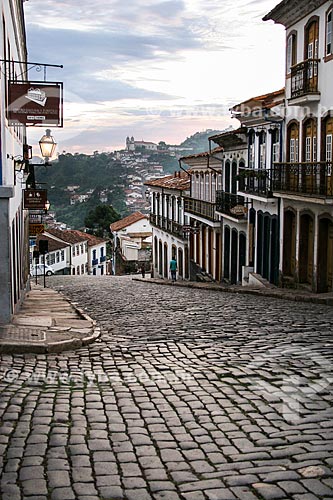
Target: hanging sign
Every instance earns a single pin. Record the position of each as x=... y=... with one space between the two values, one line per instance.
x=35 y=198
x=35 y=103
x=35 y=229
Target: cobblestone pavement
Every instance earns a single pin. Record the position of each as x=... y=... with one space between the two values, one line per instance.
x=188 y=394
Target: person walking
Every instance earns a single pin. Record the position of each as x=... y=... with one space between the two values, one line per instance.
x=143 y=270
x=173 y=268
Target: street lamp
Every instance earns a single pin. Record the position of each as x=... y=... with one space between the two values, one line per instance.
x=47 y=145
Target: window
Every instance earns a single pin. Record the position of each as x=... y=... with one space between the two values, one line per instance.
x=94 y=254
x=291 y=52
x=62 y=255
x=329 y=31
x=102 y=251
x=308 y=149
x=52 y=258
x=292 y=150
x=276 y=152
x=262 y=160
x=81 y=246
x=73 y=251
x=329 y=147
x=78 y=250
x=58 y=257
x=82 y=268
x=78 y=270
x=314 y=148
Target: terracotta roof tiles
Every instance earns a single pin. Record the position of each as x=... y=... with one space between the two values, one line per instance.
x=127 y=221
x=179 y=181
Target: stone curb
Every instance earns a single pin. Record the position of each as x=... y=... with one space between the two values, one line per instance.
x=276 y=293
x=46 y=347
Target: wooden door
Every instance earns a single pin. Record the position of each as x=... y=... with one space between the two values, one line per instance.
x=309 y=171
x=306 y=239
x=312 y=55
x=289 y=243
x=325 y=256
x=292 y=172
x=327 y=174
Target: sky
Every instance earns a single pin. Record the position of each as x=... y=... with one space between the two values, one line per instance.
x=153 y=69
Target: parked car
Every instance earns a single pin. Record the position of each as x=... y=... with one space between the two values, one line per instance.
x=39 y=270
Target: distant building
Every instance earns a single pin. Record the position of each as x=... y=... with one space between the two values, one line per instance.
x=132 y=238
x=133 y=145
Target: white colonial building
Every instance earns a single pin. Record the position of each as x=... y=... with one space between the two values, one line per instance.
x=303 y=181
x=200 y=207
x=14 y=265
x=167 y=217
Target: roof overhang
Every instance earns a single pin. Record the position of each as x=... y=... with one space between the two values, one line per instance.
x=289 y=12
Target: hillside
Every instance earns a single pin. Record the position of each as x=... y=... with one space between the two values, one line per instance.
x=78 y=183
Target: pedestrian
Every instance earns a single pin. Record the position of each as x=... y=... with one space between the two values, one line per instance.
x=173 y=268
x=143 y=270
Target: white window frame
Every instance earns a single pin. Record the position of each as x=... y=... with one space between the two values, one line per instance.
x=276 y=152
x=308 y=147
x=329 y=147
x=329 y=33
x=251 y=156
x=262 y=156
x=292 y=151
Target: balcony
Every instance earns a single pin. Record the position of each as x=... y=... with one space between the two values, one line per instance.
x=94 y=262
x=102 y=258
x=309 y=179
x=304 y=82
x=203 y=209
x=231 y=204
x=167 y=225
x=255 y=182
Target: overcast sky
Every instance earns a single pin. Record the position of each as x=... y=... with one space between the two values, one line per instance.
x=157 y=70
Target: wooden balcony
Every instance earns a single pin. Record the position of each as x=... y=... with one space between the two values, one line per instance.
x=309 y=179
x=203 y=209
x=231 y=204
x=255 y=182
x=304 y=80
x=167 y=225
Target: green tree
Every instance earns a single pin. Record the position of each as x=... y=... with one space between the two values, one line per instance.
x=99 y=219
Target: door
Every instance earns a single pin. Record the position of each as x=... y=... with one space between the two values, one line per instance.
x=226 y=253
x=306 y=240
x=291 y=180
x=289 y=243
x=325 y=256
x=234 y=256
x=326 y=174
x=309 y=170
x=311 y=55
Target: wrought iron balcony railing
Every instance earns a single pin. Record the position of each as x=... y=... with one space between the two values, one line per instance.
x=203 y=209
x=304 y=78
x=314 y=179
x=168 y=225
x=230 y=204
x=257 y=182
x=94 y=262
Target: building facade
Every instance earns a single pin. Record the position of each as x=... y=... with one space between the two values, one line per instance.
x=14 y=266
x=168 y=220
x=200 y=207
x=303 y=180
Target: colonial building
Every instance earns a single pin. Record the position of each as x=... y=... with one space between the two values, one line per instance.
x=169 y=222
x=133 y=145
x=76 y=250
x=303 y=181
x=231 y=207
x=132 y=239
x=261 y=119
x=14 y=265
x=200 y=207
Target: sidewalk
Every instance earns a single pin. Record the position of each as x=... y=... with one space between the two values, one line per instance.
x=277 y=293
x=47 y=322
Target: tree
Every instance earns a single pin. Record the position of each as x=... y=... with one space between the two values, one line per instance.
x=99 y=219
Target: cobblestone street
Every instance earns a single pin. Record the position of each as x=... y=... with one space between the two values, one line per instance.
x=188 y=394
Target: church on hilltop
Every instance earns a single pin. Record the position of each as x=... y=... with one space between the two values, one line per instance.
x=133 y=145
